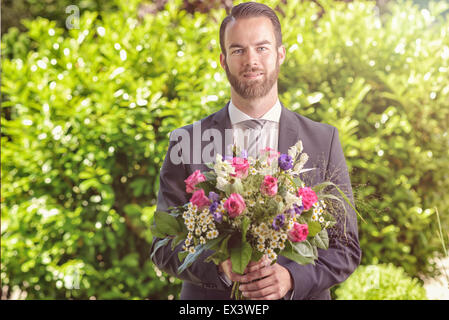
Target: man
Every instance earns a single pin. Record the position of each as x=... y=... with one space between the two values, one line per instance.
x=252 y=52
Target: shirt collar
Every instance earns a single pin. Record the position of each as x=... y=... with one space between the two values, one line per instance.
x=236 y=115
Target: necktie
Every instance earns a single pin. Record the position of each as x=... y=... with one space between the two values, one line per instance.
x=253 y=143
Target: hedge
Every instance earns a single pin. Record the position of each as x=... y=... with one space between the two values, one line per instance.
x=86 y=115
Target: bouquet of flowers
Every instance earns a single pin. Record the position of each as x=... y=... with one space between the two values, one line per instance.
x=245 y=208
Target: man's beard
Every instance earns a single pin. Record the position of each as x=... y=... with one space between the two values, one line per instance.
x=252 y=89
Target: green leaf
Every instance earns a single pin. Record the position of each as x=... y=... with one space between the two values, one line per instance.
x=304 y=248
x=178 y=239
x=245 y=226
x=290 y=253
x=182 y=255
x=166 y=223
x=159 y=244
x=240 y=257
x=314 y=228
x=191 y=257
x=321 y=240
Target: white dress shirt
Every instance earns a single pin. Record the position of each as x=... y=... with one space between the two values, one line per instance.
x=270 y=133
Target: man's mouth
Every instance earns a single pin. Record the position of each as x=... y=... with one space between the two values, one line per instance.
x=252 y=75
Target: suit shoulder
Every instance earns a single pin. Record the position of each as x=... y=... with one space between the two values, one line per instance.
x=205 y=122
x=308 y=123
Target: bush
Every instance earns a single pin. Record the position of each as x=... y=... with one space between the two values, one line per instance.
x=380 y=282
x=87 y=113
x=84 y=132
x=383 y=82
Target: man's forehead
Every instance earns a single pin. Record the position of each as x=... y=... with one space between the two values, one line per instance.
x=252 y=31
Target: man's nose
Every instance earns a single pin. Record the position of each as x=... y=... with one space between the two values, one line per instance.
x=251 y=58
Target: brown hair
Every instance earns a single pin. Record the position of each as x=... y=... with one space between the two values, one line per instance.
x=250 y=10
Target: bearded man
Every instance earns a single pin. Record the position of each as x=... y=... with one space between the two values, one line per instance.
x=254 y=119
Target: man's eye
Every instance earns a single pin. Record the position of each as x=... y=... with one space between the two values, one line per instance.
x=262 y=48
x=238 y=51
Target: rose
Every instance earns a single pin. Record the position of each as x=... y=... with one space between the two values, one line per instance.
x=241 y=166
x=309 y=197
x=269 y=186
x=285 y=162
x=298 y=233
x=193 y=180
x=199 y=199
x=235 y=205
x=271 y=153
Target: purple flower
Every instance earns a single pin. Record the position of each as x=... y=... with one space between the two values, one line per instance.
x=214 y=197
x=298 y=209
x=278 y=222
x=213 y=207
x=218 y=217
x=285 y=162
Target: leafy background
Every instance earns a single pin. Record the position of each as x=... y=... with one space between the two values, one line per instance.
x=86 y=115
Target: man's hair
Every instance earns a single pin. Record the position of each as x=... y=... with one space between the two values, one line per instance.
x=251 y=10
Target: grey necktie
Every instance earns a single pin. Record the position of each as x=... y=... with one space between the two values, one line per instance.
x=252 y=143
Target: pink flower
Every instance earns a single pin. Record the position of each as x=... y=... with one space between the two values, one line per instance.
x=298 y=233
x=269 y=186
x=308 y=197
x=241 y=166
x=272 y=154
x=193 y=180
x=235 y=205
x=199 y=199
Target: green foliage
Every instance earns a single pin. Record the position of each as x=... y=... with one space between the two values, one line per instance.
x=381 y=282
x=86 y=115
x=383 y=82
x=85 y=124
x=14 y=11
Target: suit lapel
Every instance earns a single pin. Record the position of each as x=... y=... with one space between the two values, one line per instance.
x=223 y=122
x=288 y=130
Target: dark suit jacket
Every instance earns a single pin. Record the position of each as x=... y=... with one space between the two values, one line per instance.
x=321 y=143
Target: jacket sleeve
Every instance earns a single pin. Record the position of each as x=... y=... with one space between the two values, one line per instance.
x=172 y=193
x=343 y=256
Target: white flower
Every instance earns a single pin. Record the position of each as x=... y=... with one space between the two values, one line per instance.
x=293 y=152
x=221 y=183
x=192 y=250
x=321 y=219
x=298 y=146
x=291 y=199
x=302 y=161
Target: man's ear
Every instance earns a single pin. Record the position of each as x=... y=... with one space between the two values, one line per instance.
x=222 y=60
x=281 y=53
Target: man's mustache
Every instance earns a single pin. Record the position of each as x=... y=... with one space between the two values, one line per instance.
x=252 y=71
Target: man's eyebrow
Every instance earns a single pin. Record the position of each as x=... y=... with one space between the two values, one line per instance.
x=236 y=45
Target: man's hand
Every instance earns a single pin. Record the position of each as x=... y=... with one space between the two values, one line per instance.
x=261 y=280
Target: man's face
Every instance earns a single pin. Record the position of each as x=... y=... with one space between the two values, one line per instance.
x=252 y=58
